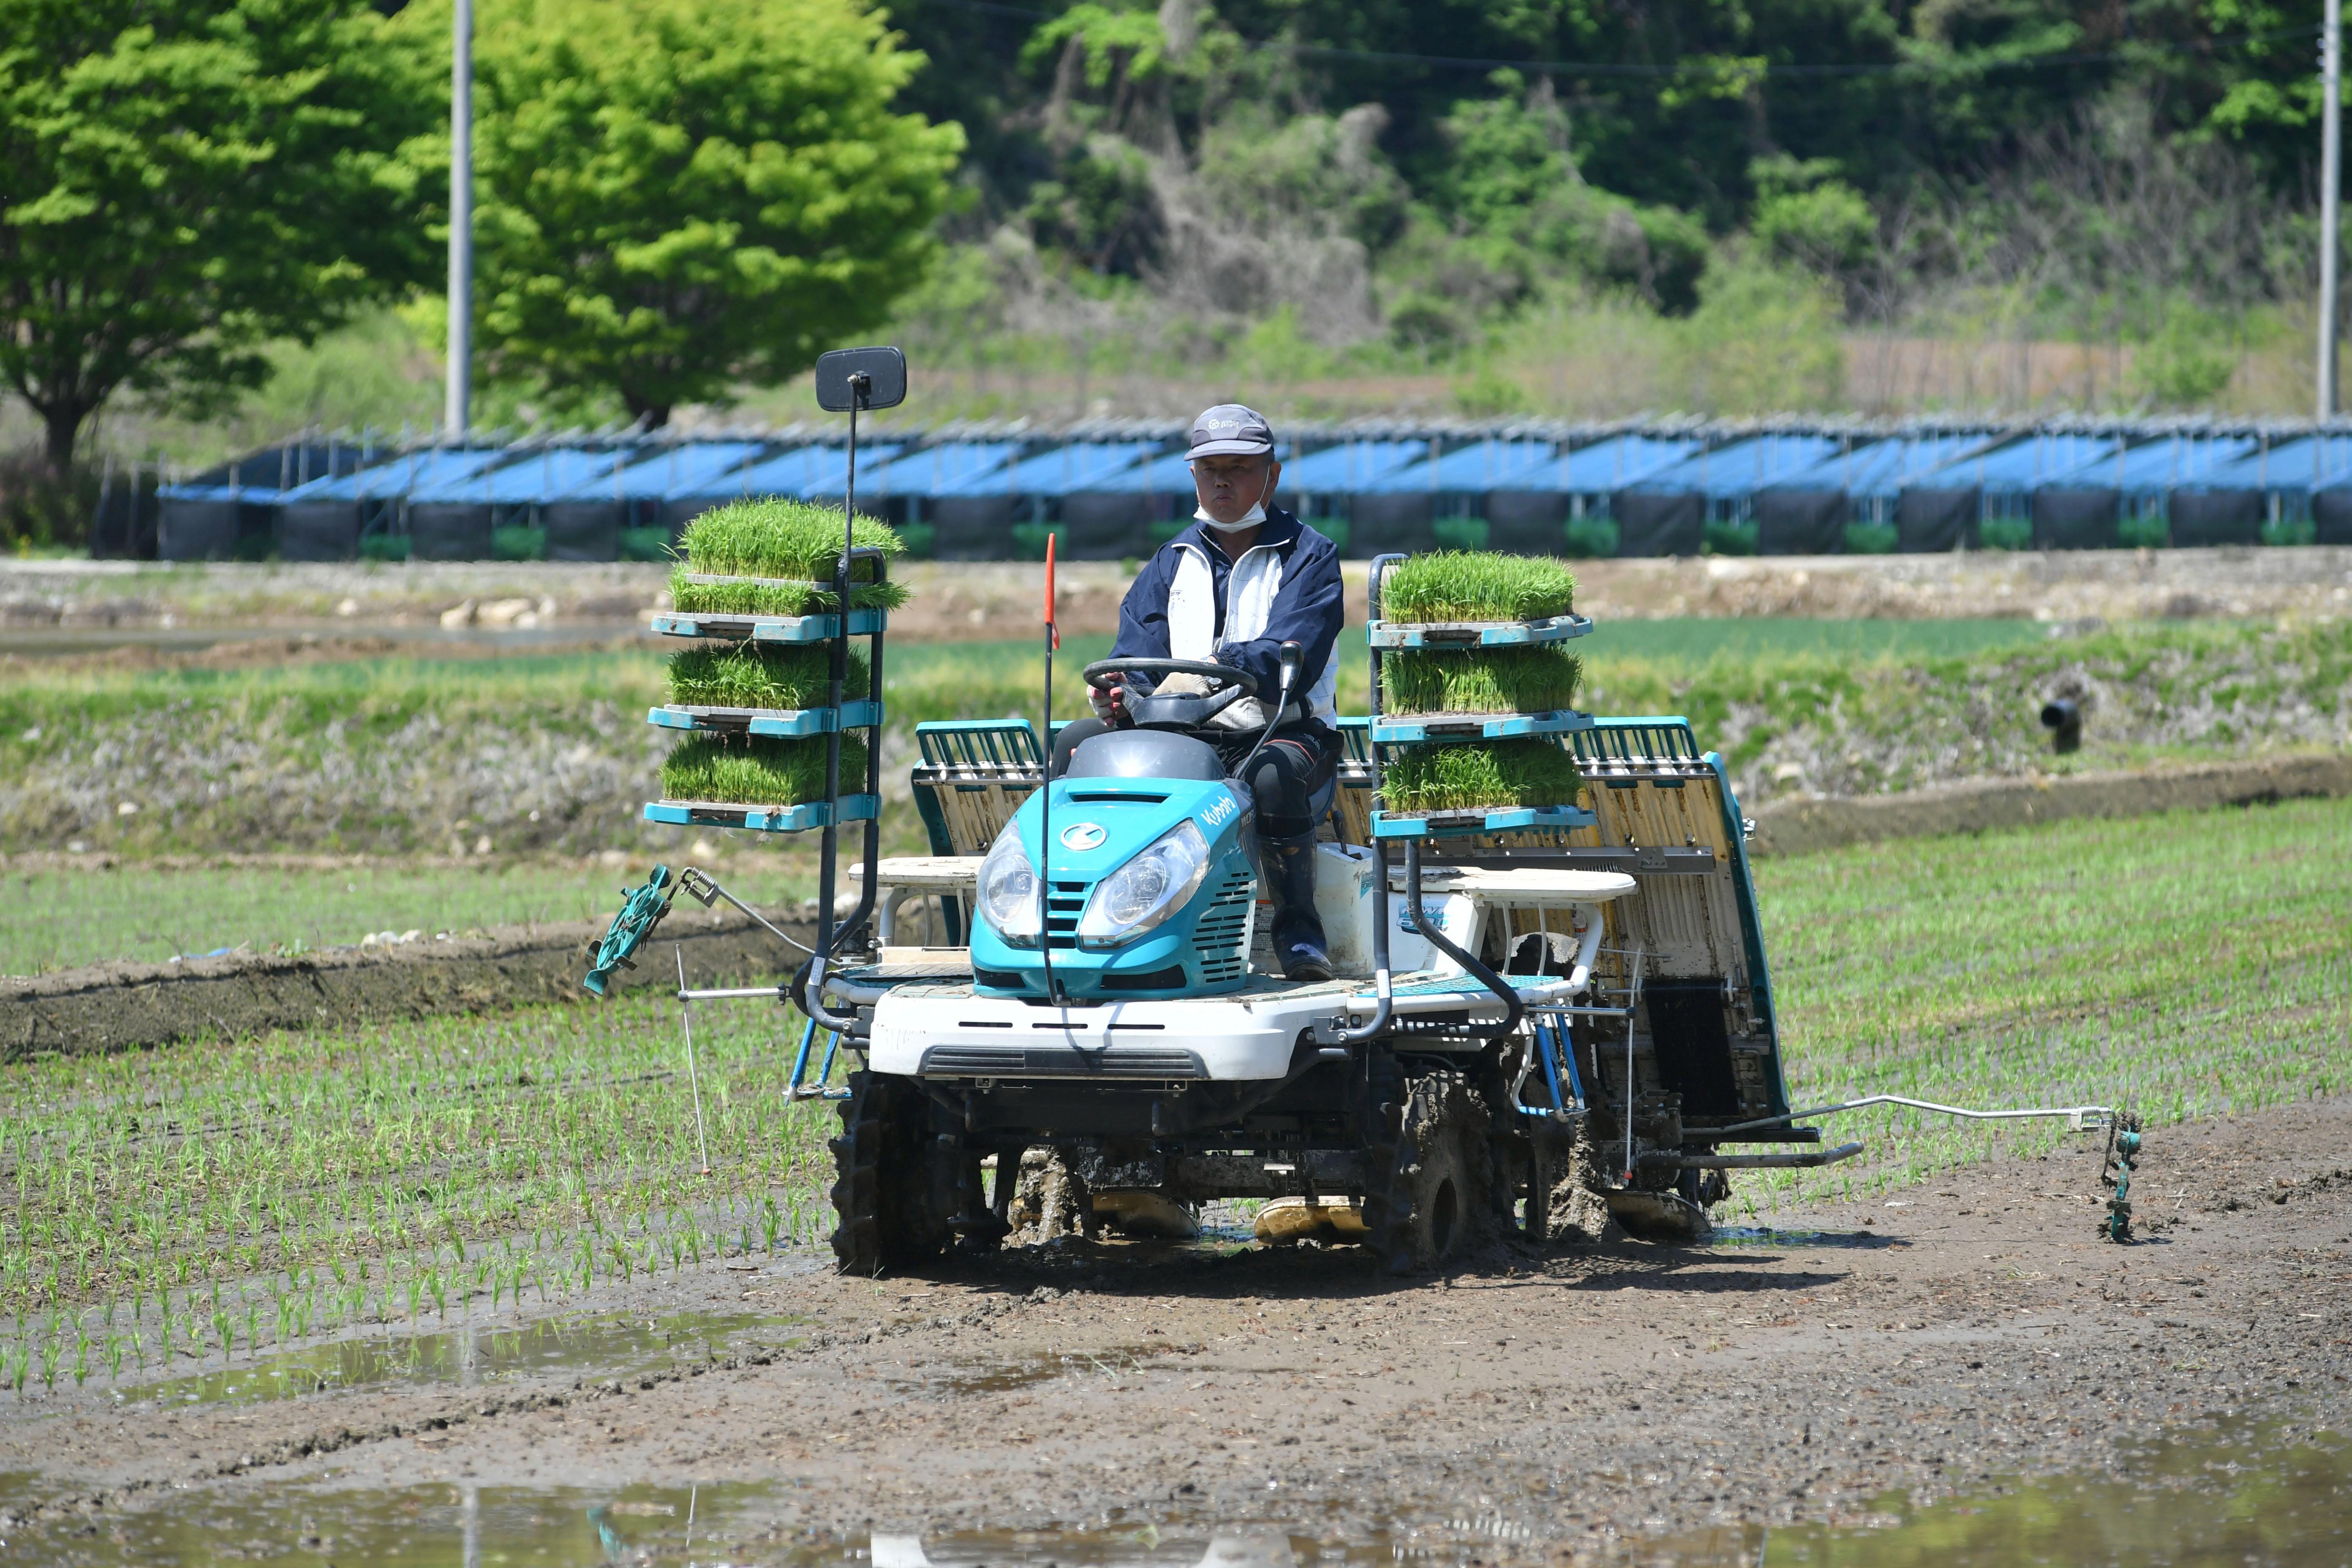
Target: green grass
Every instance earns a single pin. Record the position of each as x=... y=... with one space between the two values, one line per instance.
x=1449 y=585
x=1481 y=774
x=756 y=769
x=1497 y=680
x=2193 y=964
x=165 y=1205
x=793 y=541
x=58 y=918
x=760 y=675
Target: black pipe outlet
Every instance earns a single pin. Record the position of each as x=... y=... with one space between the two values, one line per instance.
x=2063 y=717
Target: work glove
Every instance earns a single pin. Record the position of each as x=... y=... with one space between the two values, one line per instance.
x=1109 y=701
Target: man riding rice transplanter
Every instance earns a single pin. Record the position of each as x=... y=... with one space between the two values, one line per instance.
x=1244 y=579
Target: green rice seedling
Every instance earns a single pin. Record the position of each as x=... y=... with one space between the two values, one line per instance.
x=1490 y=681
x=1449 y=585
x=757 y=770
x=795 y=544
x=1481 y=774
x=760 y=675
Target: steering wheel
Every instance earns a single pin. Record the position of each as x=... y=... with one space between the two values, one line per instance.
x=1178 y=711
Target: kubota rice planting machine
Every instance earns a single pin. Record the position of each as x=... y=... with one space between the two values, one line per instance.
x=1546 y=1008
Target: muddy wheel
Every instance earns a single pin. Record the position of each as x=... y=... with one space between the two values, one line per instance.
x=1551 y=1160
x=1435 y=1194
x=884 y=1197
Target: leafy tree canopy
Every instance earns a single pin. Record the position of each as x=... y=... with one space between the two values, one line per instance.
x=182 y=180
x=678 y=197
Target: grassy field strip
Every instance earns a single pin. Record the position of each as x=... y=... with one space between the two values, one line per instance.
x=2191 y=964
x=550 y=753
x=54 y=918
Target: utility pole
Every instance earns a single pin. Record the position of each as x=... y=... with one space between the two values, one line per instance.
x=2331 y=179
x=454 y=411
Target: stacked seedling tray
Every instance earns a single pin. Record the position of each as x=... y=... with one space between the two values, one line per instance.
x=754 y=698
x=1472 y=688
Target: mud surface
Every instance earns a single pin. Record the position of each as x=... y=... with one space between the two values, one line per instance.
x=1559 y=1406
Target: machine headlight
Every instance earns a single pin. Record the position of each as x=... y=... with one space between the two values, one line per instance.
x=1148 y=888
x=1008 y=890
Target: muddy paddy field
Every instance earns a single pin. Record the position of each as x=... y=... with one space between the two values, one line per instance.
x=454 y=1285
x=457 y=1289
x=1851 y=1385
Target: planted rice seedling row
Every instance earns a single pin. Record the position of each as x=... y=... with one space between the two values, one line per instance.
x=2187 y=965
x=182 y=1203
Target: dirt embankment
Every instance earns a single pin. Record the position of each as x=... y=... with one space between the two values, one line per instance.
x=991 y=600
x=122 y=1006
x=1539 y=1406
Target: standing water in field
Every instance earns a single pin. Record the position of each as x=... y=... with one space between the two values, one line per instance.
x=617 y=1345
x=2200 y=1500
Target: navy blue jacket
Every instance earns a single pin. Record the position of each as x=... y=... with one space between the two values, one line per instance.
x=1308 y=610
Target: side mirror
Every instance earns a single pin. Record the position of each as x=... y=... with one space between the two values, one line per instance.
x=861 y=379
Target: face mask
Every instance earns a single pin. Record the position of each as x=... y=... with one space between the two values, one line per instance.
x=1248 y=519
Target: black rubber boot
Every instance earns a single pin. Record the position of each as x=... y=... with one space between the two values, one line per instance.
x=1298 y=942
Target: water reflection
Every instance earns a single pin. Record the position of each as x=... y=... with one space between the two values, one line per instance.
x=411 y=1527
x=2201 y=1500
x=613 y=1345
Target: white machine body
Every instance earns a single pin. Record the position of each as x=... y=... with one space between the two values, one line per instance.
x=945 y=1031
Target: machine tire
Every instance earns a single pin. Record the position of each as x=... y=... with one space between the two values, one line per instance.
x=884 y=1202
x=1434 y=1196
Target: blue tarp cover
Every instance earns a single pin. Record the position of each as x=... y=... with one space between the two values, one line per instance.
x=802 y=474
x=947 y=469
x=1743 y=468
x=1080 y=466
x=688 y=468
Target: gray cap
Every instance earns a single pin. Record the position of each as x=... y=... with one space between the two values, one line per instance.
x=1230 y=427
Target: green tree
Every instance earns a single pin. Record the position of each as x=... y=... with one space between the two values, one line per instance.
x=677 y=196
x=181 y=181
x=1805 y=212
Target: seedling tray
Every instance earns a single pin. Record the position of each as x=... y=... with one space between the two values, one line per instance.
x=784 y=722
x=762 y=818
x=1405 y=728
x=770 y=628
x=1490 y=819
x=1437 y=635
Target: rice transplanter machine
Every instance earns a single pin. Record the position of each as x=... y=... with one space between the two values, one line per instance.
x=1534 y=1002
